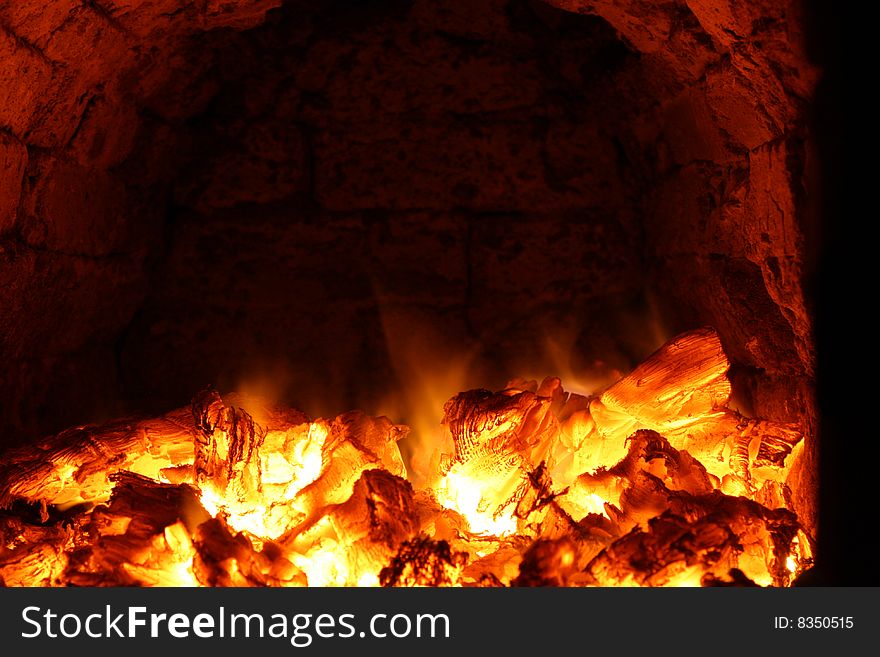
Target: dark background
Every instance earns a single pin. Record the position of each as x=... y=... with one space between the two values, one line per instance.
x=846 y=539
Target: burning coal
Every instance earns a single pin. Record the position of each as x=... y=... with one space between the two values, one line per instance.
x=653 y=482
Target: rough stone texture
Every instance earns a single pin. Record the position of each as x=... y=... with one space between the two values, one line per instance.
x=392 y=159
x=81 y=189
x=13 y=161
x=191 y=192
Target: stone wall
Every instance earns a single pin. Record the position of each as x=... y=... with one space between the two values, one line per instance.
x=91 y=97
x=453 y=169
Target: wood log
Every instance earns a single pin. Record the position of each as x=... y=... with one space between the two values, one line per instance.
x=75 y=466
x=548 y=562
x=227 y=445
x=682 y=392
x=423 y=562
x=643 y=484
x=141 y=537
x=373 y=523
x=228 y=558
x=33 y=554
x=672 y=551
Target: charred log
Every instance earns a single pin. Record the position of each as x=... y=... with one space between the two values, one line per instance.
x=671 y=551
x=548 y=563
x=423 y=562
x=141 y=537
x=211 y=496
x=227 y=443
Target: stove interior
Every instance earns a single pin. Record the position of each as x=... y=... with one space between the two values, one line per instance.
x=386 y=206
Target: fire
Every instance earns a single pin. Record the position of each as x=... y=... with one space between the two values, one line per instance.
x=465 y=495
x=652 y=482
x=283 y=471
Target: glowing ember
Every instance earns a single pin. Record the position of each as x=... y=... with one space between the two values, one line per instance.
x=461 y=493
x=654 y=482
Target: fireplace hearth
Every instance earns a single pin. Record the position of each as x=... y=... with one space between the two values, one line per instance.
x=446 y=216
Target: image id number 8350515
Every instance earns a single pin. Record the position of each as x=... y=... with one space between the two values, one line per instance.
x=813 y=622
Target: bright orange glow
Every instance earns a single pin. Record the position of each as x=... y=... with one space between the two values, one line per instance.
x=459 y=492
x=653 y=482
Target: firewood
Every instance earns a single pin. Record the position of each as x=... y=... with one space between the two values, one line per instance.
x=354 y=444
x=734 y=578
x=547 y=562
x=33 y=554
x=671 y=551
x=75 y=466
x=373 y=523
x=682 y=392
x=135 y=537
x=226 y=445
x=652 y=482
x=423 y=562
x=227 y=558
